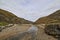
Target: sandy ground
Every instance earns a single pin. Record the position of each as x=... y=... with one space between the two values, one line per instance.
x=16 y=29
x=18 y=32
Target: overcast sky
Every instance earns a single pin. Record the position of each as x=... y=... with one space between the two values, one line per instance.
x=30 y=9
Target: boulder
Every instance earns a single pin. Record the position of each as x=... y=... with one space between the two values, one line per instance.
x=53 y=30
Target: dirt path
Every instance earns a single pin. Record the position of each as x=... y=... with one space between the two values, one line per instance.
x=42 y=36
x=16 y=29
x=32 y=30
x=24 y=32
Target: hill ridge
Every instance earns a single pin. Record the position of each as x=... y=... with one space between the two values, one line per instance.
x=9 y=17
x=52 y=18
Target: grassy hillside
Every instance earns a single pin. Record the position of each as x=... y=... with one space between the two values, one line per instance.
x=52 y=18
x=8 y=17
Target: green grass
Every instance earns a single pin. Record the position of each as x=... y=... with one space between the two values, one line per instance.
x=3 y=23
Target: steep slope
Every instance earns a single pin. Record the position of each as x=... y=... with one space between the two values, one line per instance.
x=8 y=17
x=55 y=15
x=52 y=18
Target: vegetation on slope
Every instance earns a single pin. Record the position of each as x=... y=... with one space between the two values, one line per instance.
x=8 y=17
x=52 y=18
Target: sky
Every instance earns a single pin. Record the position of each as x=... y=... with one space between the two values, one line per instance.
x=30 y=10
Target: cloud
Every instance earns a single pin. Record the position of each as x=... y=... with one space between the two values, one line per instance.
x=30 y=9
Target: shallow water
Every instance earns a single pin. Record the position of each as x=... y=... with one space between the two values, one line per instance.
x=32 y=30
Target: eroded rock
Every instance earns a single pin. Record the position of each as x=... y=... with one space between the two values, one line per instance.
x=53 y=30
